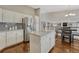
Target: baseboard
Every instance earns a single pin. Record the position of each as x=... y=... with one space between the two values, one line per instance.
x=26 y=41
x=13 y=46
x=51 y=50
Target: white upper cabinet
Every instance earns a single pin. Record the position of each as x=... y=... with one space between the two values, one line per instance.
x=0 y=14
x=18 y=17
x=11 y=16
x=8 y=16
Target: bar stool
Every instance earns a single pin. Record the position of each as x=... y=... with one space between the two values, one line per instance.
x=66 y=34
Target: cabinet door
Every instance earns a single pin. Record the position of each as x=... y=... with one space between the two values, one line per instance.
x=43 y=43
x=19 y=36
x=14 y=20
x=48 y=42
x=19 y=17
x=35 y=44
x=8 y=16
x=52 y=39
x=0 y=15
x=11 y=38
x=2 y=40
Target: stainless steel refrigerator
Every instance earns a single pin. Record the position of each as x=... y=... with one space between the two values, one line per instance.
x=27 y=28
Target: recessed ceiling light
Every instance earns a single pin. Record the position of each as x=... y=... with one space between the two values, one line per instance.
x=66 y=15
x=70 y=14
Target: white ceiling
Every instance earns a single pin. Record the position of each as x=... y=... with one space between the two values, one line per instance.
x=55 y=8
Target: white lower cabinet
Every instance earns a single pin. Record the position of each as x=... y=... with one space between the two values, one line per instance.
x=42 y=43
x=2 y=40
x=35 y=45
x=14 y=37
x=19 y=35
x=53 y=38
x=49 y=42
x=11 y=38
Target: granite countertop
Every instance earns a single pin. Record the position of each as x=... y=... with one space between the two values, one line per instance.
x=9 y=30
x=42 y=33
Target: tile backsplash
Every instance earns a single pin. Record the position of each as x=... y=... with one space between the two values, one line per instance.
x=10 y=26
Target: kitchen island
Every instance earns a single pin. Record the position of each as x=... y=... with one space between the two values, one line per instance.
x=42 y=42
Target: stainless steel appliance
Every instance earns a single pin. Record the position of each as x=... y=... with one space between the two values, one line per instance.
x=27 y=27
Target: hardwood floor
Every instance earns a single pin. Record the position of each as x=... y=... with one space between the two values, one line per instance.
x=65 y=47
x=59 y=47
x=21 y=48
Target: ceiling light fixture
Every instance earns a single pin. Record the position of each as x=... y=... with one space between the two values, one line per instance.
x=66 y=15
x=70 y=14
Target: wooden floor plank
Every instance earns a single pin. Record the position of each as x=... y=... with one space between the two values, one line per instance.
x=66 y=47
x=59 y=47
